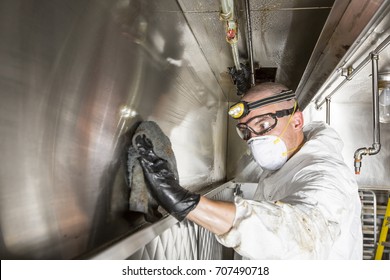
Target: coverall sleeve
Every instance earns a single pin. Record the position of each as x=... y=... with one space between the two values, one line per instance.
x=268 y=230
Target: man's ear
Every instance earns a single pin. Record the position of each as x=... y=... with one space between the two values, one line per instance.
x=297 y=120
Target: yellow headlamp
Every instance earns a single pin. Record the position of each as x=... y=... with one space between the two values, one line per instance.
x=238 y=110
x=242 y=108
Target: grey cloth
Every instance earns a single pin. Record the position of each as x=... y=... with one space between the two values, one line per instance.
x=140 y=199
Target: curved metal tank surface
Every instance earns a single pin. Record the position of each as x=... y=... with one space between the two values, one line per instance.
x=75 y=78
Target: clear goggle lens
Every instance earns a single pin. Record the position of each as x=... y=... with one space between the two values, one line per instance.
x=258 y=125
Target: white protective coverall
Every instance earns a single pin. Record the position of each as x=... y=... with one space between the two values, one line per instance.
x=308 y=209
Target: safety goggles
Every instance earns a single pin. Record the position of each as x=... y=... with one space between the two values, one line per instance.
x=262 y=124
x=242 y=108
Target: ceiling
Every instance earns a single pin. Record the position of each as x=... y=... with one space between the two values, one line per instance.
x=284 y=35
x=307 y=41
x=357 y=63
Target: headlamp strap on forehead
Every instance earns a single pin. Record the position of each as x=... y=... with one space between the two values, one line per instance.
x=284 y=95
x=243 y=108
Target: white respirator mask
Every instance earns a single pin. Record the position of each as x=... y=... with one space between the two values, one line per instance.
x=269 y=151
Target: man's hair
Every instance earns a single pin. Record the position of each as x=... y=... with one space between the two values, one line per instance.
x=273 y=88
x=269 y=89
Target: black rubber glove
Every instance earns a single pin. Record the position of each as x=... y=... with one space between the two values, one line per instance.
x=162 y=183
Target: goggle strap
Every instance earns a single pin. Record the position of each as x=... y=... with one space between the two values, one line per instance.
x=286 y=95
x=283 y=113
x=289 y=119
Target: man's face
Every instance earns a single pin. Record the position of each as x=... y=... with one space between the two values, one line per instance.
x=261 y=122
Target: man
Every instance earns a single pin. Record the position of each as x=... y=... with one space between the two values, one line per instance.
x=306 y=205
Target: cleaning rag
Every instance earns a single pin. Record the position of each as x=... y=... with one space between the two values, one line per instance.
x=140 y=199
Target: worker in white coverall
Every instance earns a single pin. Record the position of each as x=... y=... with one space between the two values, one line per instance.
x=306 y=205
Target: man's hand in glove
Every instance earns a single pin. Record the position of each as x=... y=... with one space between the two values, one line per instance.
x=216 y=216
x=162 y=183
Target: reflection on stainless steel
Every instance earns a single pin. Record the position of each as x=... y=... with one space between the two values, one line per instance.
x=75 y=77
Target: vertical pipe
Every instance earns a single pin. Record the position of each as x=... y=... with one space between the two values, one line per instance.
x=227 y=14
x=249 y=39
x=375 y=97
x=236 y=57
x=376 y=146
x=227 y=8
x=328 y=110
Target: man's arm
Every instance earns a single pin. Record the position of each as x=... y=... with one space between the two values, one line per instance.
x=215 y=216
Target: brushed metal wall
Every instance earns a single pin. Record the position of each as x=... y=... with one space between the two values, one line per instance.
x=353 y=122
x=75 y=77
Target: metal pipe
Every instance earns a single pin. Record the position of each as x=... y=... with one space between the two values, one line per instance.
x=227 y=9
x=249 y=39
x=376 y=146
x=227 y=14
x=375 y=98
x=349 y=77
x=236 y=57
x=328 y=110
